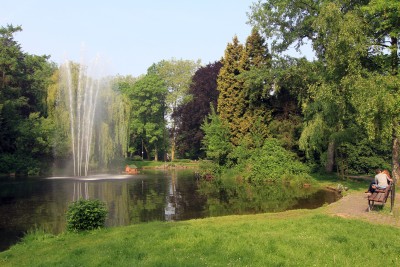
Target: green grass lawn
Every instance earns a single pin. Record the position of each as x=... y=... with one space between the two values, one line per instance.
x=333 y=181
x=149 y=164
x=292 y=238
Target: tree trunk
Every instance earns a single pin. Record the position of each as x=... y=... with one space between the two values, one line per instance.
x=173 y=140
x=155 y=153
x=395 y=139
x=172 y=149
x=146 y=149
x=394 y=56
x=395 y=159
x=330 y=161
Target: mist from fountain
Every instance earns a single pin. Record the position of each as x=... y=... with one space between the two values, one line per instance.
x=82 y=93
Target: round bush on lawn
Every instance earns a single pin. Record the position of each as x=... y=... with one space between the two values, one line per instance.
x=86 y=215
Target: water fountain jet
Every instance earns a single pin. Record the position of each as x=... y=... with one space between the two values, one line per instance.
x=80 y=89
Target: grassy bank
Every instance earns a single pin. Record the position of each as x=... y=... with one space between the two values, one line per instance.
x=293 y=238
x=151 y=164
x=351 y=184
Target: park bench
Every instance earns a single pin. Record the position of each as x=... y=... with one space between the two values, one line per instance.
x=380 y=196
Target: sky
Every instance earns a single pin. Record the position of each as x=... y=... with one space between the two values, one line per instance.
x=129 y=35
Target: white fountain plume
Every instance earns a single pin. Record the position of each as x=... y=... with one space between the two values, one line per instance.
x=82 y=97
x=91 y=118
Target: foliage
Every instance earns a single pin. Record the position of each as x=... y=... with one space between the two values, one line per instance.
x=25 y=131
x=182 y=160
x=384 y=25
x=85 y=215
x=272 y=17
x=287 y=131
x=244 y=83
x=216 y=138
x=271 y=162
x=137 y=158
x=256 y=81
x=177 y=76
x=363 y=156
x=208 y=168
x=231 y=94
x=352 y=40
x=147 y=107
x=21 y=164
x=190 y=115
x=35 y=136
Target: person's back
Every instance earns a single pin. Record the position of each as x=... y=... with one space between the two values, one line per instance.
x=381 y=180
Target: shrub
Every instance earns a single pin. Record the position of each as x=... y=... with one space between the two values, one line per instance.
x=86 y=215
x=137 y=158
x=271 y=162
x=182 y=160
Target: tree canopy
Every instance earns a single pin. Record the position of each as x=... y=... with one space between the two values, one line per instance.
x=339 y=111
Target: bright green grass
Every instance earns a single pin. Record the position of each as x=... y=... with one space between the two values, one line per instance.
x=332 y=180
x=157 y=164
x=293 y=238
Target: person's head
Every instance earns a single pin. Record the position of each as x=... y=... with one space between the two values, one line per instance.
x=378 y=171
x=387 y=173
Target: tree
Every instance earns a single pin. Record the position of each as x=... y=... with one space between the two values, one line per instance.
x=245 y=83
x=112 y=134
x=257 y=82
x=291 y=78
x=177 y=75
x=345 y=36
x=383 y=21
x=285 y=22
x=189 y=116
x=231 y=99
x=216 y=139
x=24 y=79
x=147 y=100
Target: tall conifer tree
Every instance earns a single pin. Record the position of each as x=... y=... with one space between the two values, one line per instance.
x=231 y=100
x=241 y=102
x=256 y=64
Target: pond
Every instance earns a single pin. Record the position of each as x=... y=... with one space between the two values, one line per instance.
x=41 y=203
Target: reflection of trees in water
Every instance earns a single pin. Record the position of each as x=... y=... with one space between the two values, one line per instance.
x=245 y=198
x=182 y=201
x=147 y=200
x=172 y=199
x=81 y=190
x=114 y=194
x=171 y=205
x=146 y=207
x=33 y=205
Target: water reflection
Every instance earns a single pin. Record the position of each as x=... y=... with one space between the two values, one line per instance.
x=154 y=195
x=244 y=198
x=79 y=193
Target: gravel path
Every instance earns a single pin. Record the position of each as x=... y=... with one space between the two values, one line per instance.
x=355 y=205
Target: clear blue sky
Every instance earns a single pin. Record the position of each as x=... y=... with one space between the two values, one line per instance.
x=129 y=35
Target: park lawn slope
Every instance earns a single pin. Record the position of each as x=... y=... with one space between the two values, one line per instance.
x=177 y=164
x=292 y=238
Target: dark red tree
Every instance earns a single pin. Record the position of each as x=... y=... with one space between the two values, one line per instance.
x=190 y=115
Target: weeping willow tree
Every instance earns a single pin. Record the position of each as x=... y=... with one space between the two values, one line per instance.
x=91 y=118
x=111 y=132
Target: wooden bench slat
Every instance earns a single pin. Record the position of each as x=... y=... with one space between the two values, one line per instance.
x=377 y=197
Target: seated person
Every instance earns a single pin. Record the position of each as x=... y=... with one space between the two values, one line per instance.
x=381 y=181
x=390 y=180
